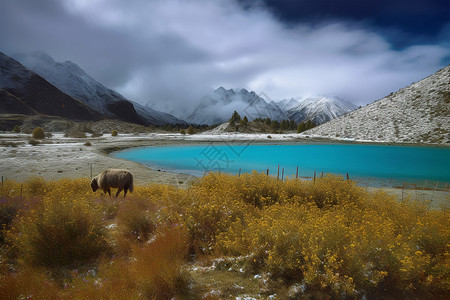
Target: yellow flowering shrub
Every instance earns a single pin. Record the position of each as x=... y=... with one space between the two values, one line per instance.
x=63 y=228
x=327 y=237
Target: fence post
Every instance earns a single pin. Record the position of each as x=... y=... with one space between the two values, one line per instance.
x=278 y=172
x=239 y=172
x=282 y=174
x=296 y=174
x=314 y=177
x=403 y=189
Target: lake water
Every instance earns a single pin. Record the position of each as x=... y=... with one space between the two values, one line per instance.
x=368 y=164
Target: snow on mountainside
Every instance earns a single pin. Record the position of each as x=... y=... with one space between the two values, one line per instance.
x=318 y=109
x=74 y=81
x=71 y=79
x=419 y=113
x=217 y=107
x=156 y=117
x=25 y=92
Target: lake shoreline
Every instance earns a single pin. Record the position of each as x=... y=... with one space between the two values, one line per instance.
x=60 y=157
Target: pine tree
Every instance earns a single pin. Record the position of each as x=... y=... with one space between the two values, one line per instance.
x=244 y=122
x=309 y=124
x=292 y=125
x=275 y=125
x=284 y=125
x=301 y=127
x=235 y=118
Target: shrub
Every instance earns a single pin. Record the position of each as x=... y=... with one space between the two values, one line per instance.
x=114 y=133
x=153 y=271
x=33 y=142
x=16 y=129
x=75 y=132
x=328 y=238
x=182 y=131
x=61 y=231
x=190 y=130
x=135 y=223
x=35 y=186
x=27 y=283
x=157 y=268
x=9 y=208
x=38 y=133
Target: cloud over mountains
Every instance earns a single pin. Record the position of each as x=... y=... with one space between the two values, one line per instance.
x=175 y=51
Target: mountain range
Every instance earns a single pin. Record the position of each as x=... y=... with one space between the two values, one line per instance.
x=319 y=109
x=75 y=82
x=22 y=91
x=418 y=113
x=218 y=106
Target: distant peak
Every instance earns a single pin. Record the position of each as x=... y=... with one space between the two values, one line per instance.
x=221 y=90
x=42 y=56
x=243 y=91
x=73 y=66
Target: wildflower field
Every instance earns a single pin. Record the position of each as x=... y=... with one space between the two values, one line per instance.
x=223 y=237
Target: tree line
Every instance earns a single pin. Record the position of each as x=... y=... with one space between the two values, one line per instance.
x=287 y=124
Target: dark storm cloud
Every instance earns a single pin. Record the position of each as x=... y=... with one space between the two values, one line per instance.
x=174 y=51
x=402 y=21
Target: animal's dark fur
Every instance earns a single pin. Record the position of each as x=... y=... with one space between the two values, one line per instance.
x=113 y=178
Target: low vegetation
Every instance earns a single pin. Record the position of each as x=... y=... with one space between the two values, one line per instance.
x=38 y=133
x=225 y=236
x=238 y=124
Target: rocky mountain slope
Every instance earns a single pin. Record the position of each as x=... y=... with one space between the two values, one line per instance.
x=25 y=92
x=10 y=104
x=74 y=81
x=319 y=109
x=419 y=113
x=218 y=106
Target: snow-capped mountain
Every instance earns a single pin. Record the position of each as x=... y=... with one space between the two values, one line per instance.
x=418 y=113
x=319 y=109
x=25 y=92
x=74 y=81
x=218 y=107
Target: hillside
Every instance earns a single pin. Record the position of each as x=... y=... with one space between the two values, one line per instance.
x=26 y=92
x=10 y=104
x=74 y=81
x=319 y=109
x=418 y=113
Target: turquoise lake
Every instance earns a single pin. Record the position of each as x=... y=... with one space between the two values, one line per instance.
x=368 y=164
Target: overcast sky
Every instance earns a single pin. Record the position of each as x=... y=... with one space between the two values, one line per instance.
x=174 y=51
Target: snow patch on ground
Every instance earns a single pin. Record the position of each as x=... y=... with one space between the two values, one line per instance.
x=418 y=113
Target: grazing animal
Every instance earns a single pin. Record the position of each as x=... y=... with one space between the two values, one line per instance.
x=113 y=178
